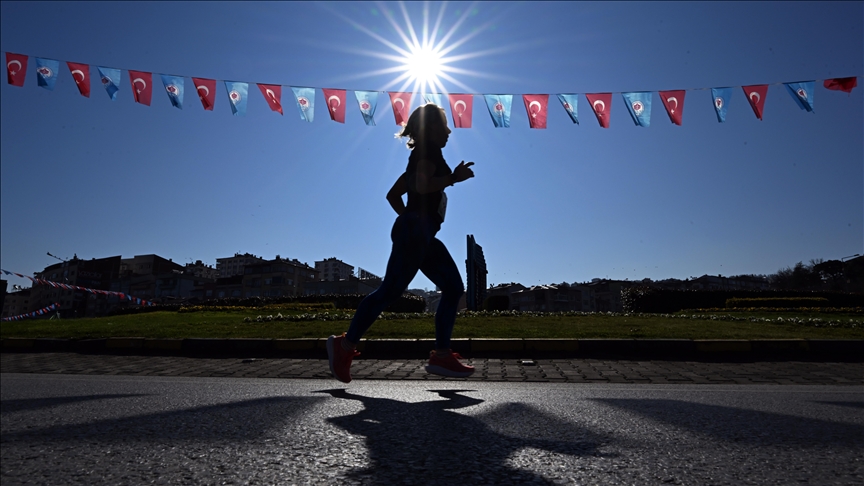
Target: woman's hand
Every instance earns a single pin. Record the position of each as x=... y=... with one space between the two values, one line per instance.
x=463 y=172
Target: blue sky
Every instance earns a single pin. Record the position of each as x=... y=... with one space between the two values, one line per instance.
x=97 y=178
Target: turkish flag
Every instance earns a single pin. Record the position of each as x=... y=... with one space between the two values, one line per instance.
x=674 y=103
x=601 y=103
x=273 y=94
x=335 y=104
x=81 y=75
x=401 y=105
x=16 y=68
x=460 y=108
x=537 y=106
x=206 y=89
x=142 y=86
x=756 y=96
x=836 y=84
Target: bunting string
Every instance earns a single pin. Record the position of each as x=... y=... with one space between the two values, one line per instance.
x=638 y=103
x=41 y=312
x=59 y=285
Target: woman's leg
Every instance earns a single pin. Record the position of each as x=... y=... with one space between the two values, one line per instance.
x=440 y=268
x=409 y=248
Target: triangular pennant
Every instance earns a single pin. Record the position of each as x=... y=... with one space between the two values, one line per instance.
x=674 y=102
x=601 y=104
x=174 y=88
x=237 y=96
x=570 y=102
x=756 y=95
x=305 y=103
x=16 y=68
x=273 y=94
x=537 y=106
x=461 y=108
x=720 y=97
x=206 y=89
x=142 y=86
x=401 y=107
x=335 y=104
x=368 y=102
x=81 y=75
x=434 y=98
x=837 y=84
x=499 y=109
x=110 y=79
x=639 y=106
x=46 y=72
x=802 y=93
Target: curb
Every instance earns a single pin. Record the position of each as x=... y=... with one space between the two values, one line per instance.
x=821 y=349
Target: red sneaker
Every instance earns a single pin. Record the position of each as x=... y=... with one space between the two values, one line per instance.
x=340 y=360
x=448 y=365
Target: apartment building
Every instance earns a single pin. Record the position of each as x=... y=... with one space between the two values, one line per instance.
x=277 y=278
x=230 y=266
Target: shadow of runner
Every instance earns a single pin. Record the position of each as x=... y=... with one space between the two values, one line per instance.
x=428 y=443
x=744 y=426
x=21 y=404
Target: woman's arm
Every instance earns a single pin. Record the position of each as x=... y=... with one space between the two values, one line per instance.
x=394 y=195
x=425 y=182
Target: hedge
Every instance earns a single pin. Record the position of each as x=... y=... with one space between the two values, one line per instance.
x=651 y=299
x=785 y=302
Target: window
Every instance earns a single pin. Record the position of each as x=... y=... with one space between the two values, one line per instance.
x=208 y=293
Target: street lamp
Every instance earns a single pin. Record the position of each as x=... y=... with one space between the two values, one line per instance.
x=850 y=256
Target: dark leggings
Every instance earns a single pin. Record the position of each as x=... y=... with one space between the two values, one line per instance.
x=414 y=248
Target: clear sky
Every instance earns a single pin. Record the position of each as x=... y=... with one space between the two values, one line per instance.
x=98 y=178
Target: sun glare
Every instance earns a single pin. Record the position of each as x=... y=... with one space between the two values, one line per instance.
x=424 y=65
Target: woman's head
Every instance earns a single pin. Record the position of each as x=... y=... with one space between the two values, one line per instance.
x=427 y=125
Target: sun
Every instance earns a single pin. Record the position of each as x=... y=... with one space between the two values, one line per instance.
x=424 y=64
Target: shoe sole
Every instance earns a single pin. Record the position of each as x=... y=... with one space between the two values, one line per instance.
x=442 y=371
x=330 y=342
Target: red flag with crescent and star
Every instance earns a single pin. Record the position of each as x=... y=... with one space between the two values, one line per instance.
x=206 y=89
x=16 y=68
x=601 y=103
x=839 y=84
x=537 y=106
x=401 y=105
x=81 y=75
x=461 y=108
x=142 y=86
x=756 y=96
x=674 y=103
x=273 y=94
x=335 y=103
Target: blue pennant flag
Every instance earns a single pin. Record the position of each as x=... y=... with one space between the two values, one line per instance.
x=802 y=93
x=639 y=106
x=174 y=88
x=238 y=93
x=46 y=72
x=569 y=102
x=305 y=102
x=433 y=98
x=499 y=109
x=111 y=80
x=721 y=96
x=368 y=101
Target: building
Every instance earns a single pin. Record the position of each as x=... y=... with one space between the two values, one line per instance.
x=506 y=290
x=349 y=286
x=221 y=288
x=607 y=294
x=719 y=282
x=276 y=278
x=199 y=269
x=140 y=276
x=17 y=303
x=548 y=298
x=96 y=273
x=235 y=265
x=476 y=275
x=333 y=270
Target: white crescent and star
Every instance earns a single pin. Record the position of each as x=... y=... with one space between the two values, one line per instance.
x=602 y=106
x=758 y=98
x=338 y=102
x=206 y=90
x=539 y=107
x=399 y=100
x=78 y=71
x=142 y=82
x=464 y=107
x=670 y=100
x=9 y=66
x=272 y=95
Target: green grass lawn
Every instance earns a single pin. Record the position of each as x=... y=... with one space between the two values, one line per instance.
x=230 y=324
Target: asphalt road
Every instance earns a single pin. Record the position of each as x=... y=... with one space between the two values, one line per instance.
x=91 y=429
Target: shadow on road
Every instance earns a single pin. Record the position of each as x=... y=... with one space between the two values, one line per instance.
x=745 y=426
x=429 y=443
x=22 y=404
